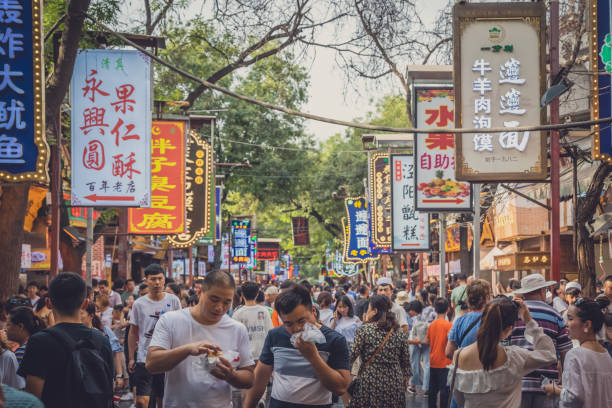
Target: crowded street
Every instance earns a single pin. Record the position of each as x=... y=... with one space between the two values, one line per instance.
x=306 y=203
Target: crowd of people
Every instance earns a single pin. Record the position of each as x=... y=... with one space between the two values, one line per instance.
x=534 y=343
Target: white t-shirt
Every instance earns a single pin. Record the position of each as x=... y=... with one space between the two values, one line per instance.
x=258 y=323
x=400 y=314
x=145 y=314
x=8 y=370
x=187 y=385
x=326 y=316
x=107 y=317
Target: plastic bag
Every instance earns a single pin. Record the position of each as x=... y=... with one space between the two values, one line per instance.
x=309 y=333
x=206 y=363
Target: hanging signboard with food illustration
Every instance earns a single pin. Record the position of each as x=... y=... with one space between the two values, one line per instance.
x=436 y=187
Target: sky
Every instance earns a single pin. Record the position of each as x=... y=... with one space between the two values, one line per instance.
x=329 y=93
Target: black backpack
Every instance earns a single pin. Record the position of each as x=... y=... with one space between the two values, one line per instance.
x=89 y=378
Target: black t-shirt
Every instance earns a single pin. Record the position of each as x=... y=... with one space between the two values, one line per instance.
x=46 y=358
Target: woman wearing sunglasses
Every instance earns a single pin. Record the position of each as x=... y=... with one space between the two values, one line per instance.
x=587 y=370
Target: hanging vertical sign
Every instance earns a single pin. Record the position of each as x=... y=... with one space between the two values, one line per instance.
x=410 y=227
x=499 y=58
x=110 y=94
x=23 y=148
x=379 y=182
x=437 y=189
x=167 y=212
x=218 y=219
x=601 y=65
x=300 y=230
x=198 y=193
x=357 y=231
x=241 y=248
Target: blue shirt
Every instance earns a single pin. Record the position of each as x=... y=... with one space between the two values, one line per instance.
x=461 y=325
x=116 y=346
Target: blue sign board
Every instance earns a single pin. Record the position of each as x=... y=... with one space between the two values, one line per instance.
x=601 y=63
x=23 y=149
x=241 y=248
x=357 y=231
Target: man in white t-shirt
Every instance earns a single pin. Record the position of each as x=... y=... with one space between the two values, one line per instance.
x=256 y=318
x=183 y=340
x=385 y=288
x=146 y=313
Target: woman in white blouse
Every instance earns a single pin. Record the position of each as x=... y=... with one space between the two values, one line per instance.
x=587 y=370
x=488 y=374
x=345 y=322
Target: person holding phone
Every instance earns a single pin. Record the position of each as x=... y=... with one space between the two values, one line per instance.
x=487 y=374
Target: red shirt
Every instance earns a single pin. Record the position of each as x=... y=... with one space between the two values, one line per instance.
x=437 y=336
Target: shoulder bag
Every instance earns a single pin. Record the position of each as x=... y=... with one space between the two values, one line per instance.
x=354 y=385
x=452 y=387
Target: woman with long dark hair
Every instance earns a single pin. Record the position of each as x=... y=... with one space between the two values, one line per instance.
x=385 y=359
x=22 y=323
x=345 y=322
x=587 y=369
x=488 y=374
x=41 y=310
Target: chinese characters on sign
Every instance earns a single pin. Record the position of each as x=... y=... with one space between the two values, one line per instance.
x=379 y=180
x=437 y=188
x=300 y=230
x=357 y=231
x=410 y=227
x=601 y=60
x=499 y=68
x=341 y=268
x=23 y=148
x=167 y=212
x=111 y=127
x=241 y=249
x=198 y=193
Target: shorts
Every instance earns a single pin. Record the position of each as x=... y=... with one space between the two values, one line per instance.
x=147 y=384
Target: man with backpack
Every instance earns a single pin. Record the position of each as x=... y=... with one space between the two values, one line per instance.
x=69 y=365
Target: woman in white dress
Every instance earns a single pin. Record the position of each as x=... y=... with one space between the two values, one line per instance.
x=587 y=370
x=488 y=374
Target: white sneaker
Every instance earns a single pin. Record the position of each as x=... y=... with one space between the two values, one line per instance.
x=127 y=397
x=133 y=406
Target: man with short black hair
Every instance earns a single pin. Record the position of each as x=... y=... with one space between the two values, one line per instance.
x=145 y=314
x=183 y=338
x=459 y=294
x=32 y=292
x=256 y=318
x=305 y=375
x=385 y=288
x=129 y=290
x=46 y=360
x=113 y=297
x=362 y=302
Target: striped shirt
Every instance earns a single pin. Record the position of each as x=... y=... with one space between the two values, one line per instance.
x=552 y=323
x=20 y=351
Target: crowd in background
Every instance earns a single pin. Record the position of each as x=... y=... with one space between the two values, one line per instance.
x=533 y=343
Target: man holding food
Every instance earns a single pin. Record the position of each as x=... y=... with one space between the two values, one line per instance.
x=203 y=351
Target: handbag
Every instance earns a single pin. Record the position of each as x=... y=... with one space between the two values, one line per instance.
x=452 y=387
x=354 y=385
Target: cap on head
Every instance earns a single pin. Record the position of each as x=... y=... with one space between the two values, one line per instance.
x=384 y=281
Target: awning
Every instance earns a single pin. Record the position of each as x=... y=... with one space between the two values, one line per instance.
x=487 y=263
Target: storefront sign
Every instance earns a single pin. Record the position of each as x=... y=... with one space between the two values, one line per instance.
x=499 y=51
x=241 y=249
x=167 y=212
x=300 y=230
x=199 y=200
x=523 y=261
x=410 y=228
x=505 y=262
x=379 y=181
x=111 y=129
x=26 y=256
x=601 y=63
x=437 y=189
x=340 y=268
x=357 y=231
x=23 y=147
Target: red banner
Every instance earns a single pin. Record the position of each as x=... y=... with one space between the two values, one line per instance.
x=167 y=212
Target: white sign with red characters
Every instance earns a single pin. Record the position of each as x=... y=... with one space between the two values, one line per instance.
x=437 y=189
x=111 y=129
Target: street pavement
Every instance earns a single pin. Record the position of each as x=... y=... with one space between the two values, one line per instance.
x=412 y=401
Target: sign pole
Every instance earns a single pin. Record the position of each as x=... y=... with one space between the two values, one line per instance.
x=191 y=265
x=170 y=262
x=555 y=233
x=89 y=244
x=476 y=227
x=442 y=244
x=421 y=283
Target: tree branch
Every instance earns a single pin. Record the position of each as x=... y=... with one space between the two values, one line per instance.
x=160 y=16
x=435 y=47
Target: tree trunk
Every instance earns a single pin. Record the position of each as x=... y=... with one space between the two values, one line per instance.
x=13 y=209
x=587 y=206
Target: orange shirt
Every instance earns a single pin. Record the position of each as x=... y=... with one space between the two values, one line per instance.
x=437 y=336
x=275 y=319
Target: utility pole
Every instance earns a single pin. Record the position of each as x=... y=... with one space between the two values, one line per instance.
x=89 y=244
x=442 y=244
x=476 y=227
x=555 y=231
